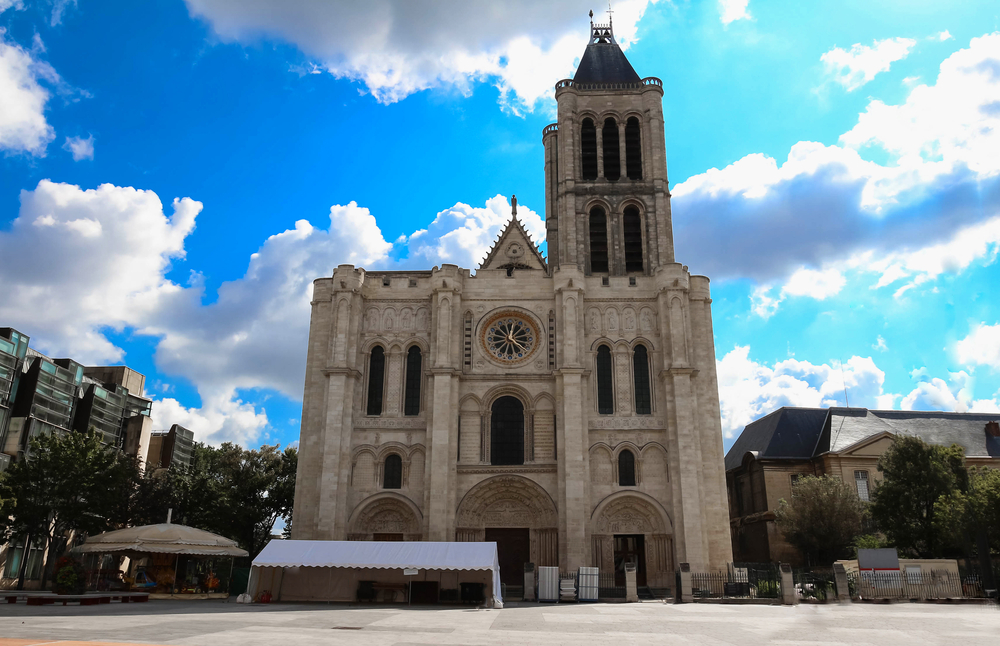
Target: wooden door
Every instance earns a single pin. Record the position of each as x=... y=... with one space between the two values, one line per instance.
x=513 y=550
x=630 y=548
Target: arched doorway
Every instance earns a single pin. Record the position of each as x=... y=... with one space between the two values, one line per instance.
x=633 y=527
x=385 y=517
x=519 y=515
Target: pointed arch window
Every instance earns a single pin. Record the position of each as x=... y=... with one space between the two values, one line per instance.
x=392 y=472
x=598 y=240
x=633 y=150
x=588 y=147
x=605 y=398
x=626 y=469
x=612 y=154
x=632 y=229
x=411 y=401
x=640 y=375
x=376 y=379
x=507 y=431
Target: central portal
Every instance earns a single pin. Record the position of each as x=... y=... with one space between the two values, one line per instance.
x=513 y=550
x=630 y=548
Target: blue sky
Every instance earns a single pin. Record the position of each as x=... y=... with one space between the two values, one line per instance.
x=174 y=174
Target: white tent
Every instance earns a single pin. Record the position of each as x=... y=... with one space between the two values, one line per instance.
x=330 y=570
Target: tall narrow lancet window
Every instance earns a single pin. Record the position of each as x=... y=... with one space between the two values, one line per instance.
x=392 y=472
x=612 y=154
x=598 y=240
x=633 y=150
x=640 y=375
x=632 y=225
x=507 y=431
x=626 y=469
x=376 y=377
x=411 y=403
x=605 y=397
x=588 y=146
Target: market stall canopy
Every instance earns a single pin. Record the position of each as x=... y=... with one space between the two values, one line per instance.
x=165 y=538
x=383 y=555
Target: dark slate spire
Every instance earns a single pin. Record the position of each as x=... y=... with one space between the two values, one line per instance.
x=603 y=61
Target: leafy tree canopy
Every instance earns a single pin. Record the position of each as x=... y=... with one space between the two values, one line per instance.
x=915 y=475
x=823 y=518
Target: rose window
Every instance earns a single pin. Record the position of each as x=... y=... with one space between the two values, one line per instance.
x=509 y=338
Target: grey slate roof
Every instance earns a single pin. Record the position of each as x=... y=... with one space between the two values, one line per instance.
x=803 y=433
x=605 y=62
x=786 y=433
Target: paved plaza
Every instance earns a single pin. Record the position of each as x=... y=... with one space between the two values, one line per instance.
x=214 y=623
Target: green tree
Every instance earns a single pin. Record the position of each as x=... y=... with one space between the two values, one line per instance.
x=915 y=475
x=69 y=482
x=254 y=489
x=822 y=519
x=972 y=517
x=235 y=492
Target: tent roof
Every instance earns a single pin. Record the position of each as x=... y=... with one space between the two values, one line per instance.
x=165 y=538
x=379 y=554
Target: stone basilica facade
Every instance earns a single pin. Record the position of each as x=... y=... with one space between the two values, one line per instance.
x=566 y=408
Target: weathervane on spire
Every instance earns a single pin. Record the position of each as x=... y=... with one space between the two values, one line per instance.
x=609 y=12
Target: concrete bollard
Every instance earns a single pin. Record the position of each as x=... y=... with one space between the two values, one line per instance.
x=529 y=581
x=684 y=593
x=631 y=589
x=788 y=595
x=843 y=590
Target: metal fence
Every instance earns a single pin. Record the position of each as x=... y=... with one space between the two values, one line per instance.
x=740 y=580
x=606 y=587
x=905 y=585
x=818 y=585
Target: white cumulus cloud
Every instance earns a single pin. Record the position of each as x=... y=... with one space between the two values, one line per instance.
x=862 y=63
x=933 y=208
x=79 y=147
x=23 y=127
x=749 y=390
x=733 y=10
x=397 y=47
x=980 y=347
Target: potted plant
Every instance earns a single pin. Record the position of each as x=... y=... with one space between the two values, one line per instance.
x=70 y=577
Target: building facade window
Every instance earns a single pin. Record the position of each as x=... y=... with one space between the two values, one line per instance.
x=411 y=403
x=588 y=147
x=640 y=376
x=612 y=153
x=507 y=431
x=626 y=469
x=598 y=240
x=605 y=395
x=861 y=480
x=392 y=472
x=376 y=377
x=633 y=150
x=632 y=234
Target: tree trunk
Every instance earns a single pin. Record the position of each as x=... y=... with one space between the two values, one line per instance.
x=985 y=563
x=24 y=561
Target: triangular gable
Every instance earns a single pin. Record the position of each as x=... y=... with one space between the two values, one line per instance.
x=514 y=249
x=872 y=446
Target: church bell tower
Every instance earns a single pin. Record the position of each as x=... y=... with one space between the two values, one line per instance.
x=607 y=196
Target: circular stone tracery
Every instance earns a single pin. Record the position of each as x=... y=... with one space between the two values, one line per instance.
x=509 y=337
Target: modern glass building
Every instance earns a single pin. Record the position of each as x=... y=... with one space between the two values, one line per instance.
x=13 y=348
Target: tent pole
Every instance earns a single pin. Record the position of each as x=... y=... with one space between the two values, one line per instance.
x=177 y=560
x=229 y=583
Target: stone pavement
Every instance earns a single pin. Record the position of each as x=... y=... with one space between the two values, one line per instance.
x=212 y=623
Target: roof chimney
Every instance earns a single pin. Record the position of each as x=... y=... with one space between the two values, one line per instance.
x=993 y=428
